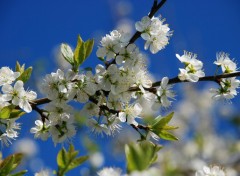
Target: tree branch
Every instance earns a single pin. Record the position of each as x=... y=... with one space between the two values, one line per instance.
x=176 y=80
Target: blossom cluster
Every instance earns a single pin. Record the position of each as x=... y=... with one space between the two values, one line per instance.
x=113 y=93
x=13 y=95
x=206 y=171
x=214 y=171
x=193 y=67
x=57 y=120
x=228 y=86
x=106 y=93
x=154 y=32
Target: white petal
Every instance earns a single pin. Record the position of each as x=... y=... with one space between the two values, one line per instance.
x=18 y=85
x=122 y=116
x=137 y=108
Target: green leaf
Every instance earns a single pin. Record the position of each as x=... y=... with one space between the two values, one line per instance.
x=76 y=162
x=140 y=156
x=161 y=122
x=71 y=152
x=62 y=158
x=6 y=111
x=67 y=160
x=16 y=113
x=82 y=54
x=19 y=68
x=82 y=51
x=67 y=53
x=89 y=47
x=17 y=159
x=10 y=163
x=169 y=127
x=6 y=165
x=24 y=77
x=167 y=136
x=19 y=173
x=77 y=52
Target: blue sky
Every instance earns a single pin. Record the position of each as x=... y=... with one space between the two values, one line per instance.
x=31 y=30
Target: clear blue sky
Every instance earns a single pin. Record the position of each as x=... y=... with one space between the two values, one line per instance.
x=30 y=30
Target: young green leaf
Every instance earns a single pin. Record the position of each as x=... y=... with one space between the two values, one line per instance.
x=82 y=54
x=17 y=159
x=10 y=163
x=6 y=165
x=67 y=53
x=78 y=51
x=62 y=158
x=82 y=51
x=89 y=47
x=160 y=127
x=167 y=136
x=76 y=162
x=67 y=160
x=24 y=77
x=161 y=122
x=19 y=68
x=21 y=173
x=16 y=113
x=140 y=156
x=6 y=112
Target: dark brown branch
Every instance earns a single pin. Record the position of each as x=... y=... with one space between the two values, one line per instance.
x=176 y=80
x=40 y=111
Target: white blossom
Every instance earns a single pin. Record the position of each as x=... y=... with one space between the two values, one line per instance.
x=143 y=80
x=13 y=93
x=113 y=124
x=67 y=51
x=126 y=54
x=154 y=32
x=62 y=131
x=90 y=109
x=3 y=102
x=8 y=131
x=111 y=45
x=164 y=92
x=130 y=113
x=210 y=171
x=227 y=89
x=227 y=65
x=25 y=98
x=84 y=87
x=7 y=76
x=43 y=172
x=105 y=78
x=97 y=128
x=58 y=112
x=110 y=172
x=40 y=130
x=193 y=67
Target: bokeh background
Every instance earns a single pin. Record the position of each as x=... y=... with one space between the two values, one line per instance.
x=31 y=32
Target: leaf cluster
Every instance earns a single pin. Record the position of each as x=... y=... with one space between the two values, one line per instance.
x=9 y=164
x=68 y=160
x=81 y=52
x=141 y=155
x=161 y=128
